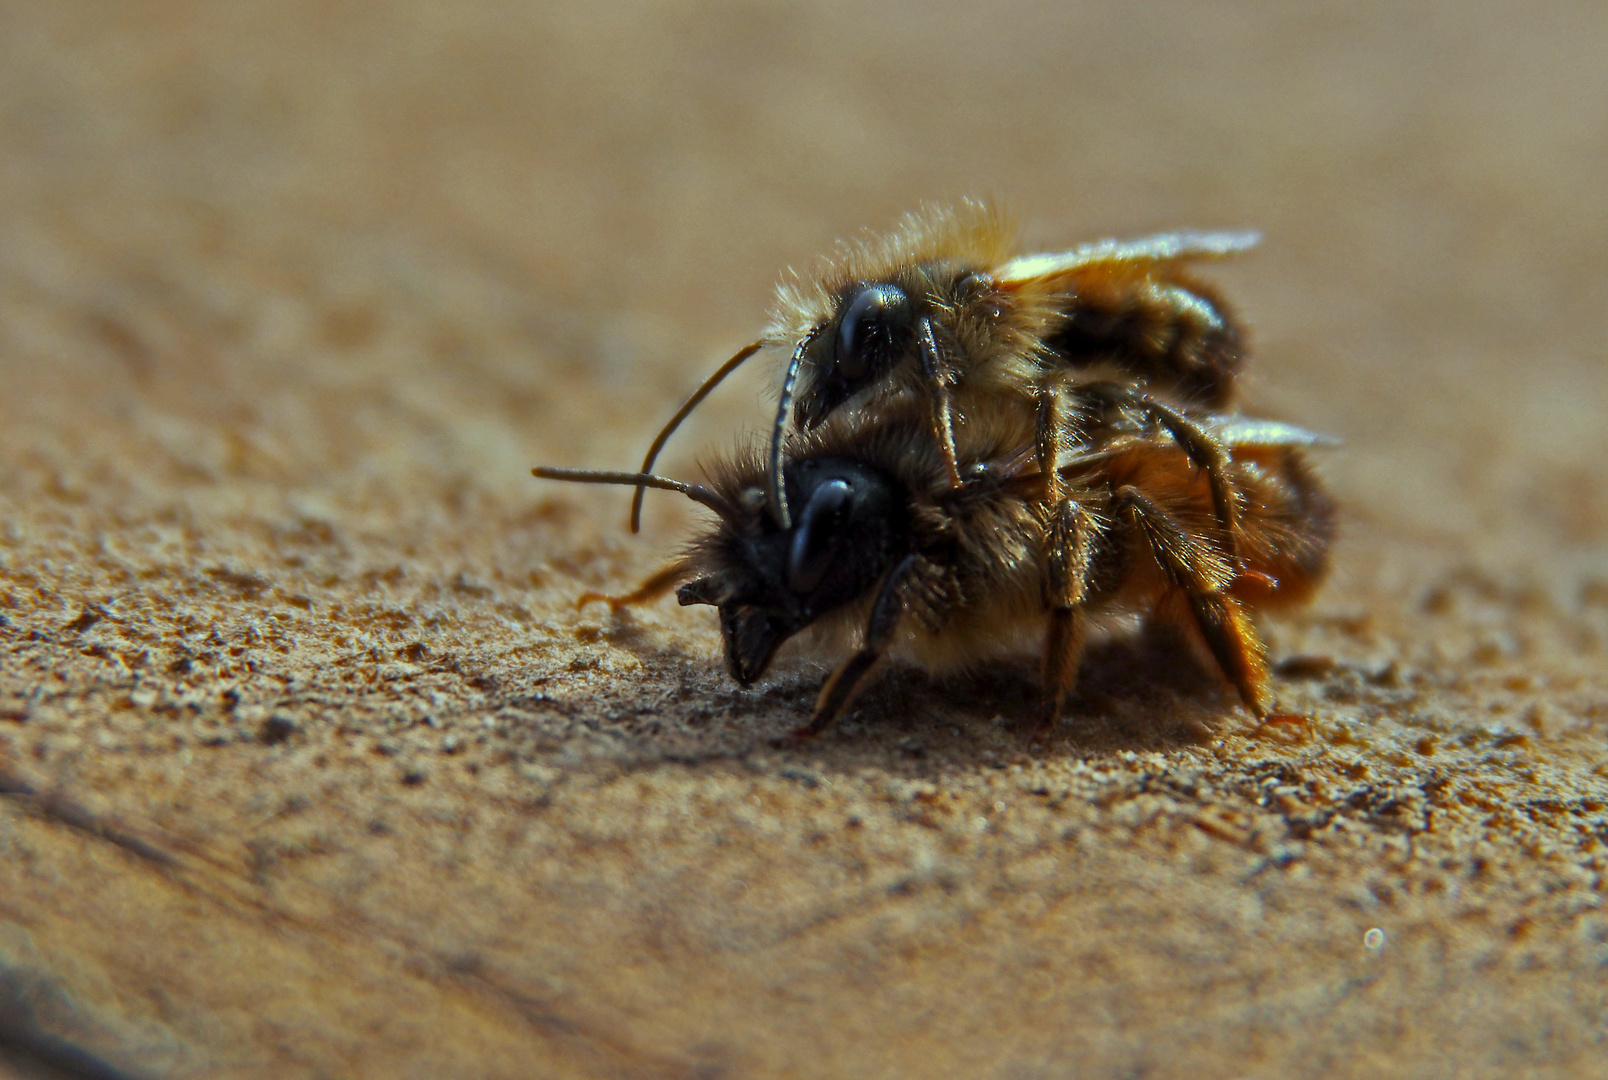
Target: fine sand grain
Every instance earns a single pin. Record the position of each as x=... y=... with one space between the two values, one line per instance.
x=309 y=766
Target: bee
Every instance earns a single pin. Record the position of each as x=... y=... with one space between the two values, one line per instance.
x=941 y=311
x=885 y=556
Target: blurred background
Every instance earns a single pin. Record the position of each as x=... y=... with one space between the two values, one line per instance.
x=502 y=232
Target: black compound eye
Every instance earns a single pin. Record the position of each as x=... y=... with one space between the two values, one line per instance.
x=871 y=323
x=817 y=535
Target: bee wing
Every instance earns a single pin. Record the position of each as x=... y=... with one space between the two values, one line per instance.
x=1165 y=247
x=1234 y=432
x=1251 y=433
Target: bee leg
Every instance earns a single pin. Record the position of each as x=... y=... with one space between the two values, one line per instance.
x=1232 y=639
x=852 y=675
x=1068 y=551
x=657 y=584
x=1207 y=452
x=1063 y=654
x=935 y=365
x=1049 y=440
x=1201 y=575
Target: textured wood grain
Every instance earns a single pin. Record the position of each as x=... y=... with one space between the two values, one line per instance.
x=309 y=766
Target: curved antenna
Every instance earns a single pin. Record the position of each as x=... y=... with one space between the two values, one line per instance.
x=775 y=495
x=696 y=492
x=681 y=414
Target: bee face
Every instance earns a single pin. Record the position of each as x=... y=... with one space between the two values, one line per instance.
x=875 y=329
x=851 y=524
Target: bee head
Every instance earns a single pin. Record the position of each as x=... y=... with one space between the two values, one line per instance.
x=876 y=327
x=849 y=525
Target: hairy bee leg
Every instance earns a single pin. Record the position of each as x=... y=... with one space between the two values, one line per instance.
x=936 y=368
x=657 y=584
x=1206 y=451
x=1201 y=576
x=1234 y=642
x=1048 y=440
x=852 y=675
x=841 y=688
x=1069 y=552
x=1063 y=655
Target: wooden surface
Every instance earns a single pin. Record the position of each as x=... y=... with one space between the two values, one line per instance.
x=309 y=767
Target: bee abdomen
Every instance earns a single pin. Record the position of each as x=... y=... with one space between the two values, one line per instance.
x=1170 y=335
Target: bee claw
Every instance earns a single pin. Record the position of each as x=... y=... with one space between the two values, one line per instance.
x=1038 y=740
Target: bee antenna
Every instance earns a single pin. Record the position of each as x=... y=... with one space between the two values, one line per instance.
x=696 y=492
x=775 y=494
x=681 y=414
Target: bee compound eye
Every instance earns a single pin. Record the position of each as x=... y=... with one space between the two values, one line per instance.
x=868 y=328
x=817 y=535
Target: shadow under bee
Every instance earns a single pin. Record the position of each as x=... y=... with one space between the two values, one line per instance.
x=1146 y=688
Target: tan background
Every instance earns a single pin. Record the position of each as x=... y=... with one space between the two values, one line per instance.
x=308 y=767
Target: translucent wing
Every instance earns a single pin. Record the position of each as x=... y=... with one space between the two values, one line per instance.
x=1166 y=247
x=1234 y=432
x=1250 y=433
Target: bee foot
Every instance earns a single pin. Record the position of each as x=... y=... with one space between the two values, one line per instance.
x=1038 y=740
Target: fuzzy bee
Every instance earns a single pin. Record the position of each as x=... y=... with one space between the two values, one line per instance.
x=941 y=311
x=886 y=556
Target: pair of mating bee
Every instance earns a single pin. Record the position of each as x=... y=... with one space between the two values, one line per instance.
x=974 y=451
